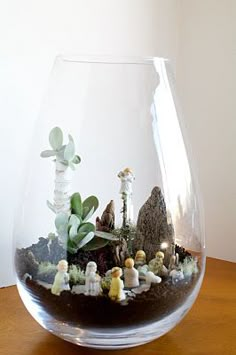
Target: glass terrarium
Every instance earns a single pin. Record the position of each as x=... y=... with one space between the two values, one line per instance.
x=109 y=235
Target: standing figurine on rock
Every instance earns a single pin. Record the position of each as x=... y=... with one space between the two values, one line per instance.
x=156 y=265
x=61 y=281
x=92 y=280
x=131 y=275
x=116 y=292
x=127 y=177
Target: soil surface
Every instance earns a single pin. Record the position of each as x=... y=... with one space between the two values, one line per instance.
x=100 y=312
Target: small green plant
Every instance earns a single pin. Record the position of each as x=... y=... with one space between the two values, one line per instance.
x=106 y=283
x=47 y=272
x=189 y=266
x=77 y=276
x=128 y=234
x=65 y=154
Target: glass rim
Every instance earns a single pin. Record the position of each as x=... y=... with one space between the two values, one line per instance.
x=109 y=59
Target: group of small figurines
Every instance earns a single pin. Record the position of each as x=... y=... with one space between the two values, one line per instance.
x=138 y=276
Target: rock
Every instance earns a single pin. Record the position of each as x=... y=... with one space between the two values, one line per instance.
x=153 y=228
x=26 y=263
x=107 y=221
x=56 y=251
x=40 y=250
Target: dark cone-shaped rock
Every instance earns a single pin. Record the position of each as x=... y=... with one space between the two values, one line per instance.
x=153 y=228
x=107 y=221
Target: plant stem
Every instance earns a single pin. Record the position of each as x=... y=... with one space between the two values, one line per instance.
x=62 y=188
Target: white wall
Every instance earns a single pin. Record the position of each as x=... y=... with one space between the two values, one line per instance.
x=206 y=78
x=32 y=33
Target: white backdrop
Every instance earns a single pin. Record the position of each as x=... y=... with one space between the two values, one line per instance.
x=32 y=33
x=206 y=77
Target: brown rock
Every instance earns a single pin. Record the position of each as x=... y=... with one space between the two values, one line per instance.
x=153 y=228
x=107 y=221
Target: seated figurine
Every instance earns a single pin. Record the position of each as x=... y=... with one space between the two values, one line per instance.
x=176 y=276
x=142 y=270
x=61 y=280
x=156 y=265
x=131 y=275
x=140 y=258
x=92 y=280
x=116 y=292
x=151 y=278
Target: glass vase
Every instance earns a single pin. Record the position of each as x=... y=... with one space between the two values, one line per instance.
x=109 y=237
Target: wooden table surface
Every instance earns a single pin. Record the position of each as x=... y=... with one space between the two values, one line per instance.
x=209 y=327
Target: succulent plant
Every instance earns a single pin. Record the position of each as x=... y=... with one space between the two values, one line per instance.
x=63 y=153
x=74 y=230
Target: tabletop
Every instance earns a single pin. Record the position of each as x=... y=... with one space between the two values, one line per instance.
x=208 y=328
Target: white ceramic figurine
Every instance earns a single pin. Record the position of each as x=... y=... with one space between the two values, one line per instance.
x=156 y=265
x=127 y=177
x=92 y=280
x=61 y=281
x=131 y=275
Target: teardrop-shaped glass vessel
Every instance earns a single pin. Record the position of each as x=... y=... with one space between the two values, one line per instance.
x=109 y=234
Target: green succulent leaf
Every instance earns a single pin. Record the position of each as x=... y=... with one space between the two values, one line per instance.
x=88 y=204
x=76 y=239
x=73 y=231
x=61 y=221
x=71 y=247
x=56 y=138
x=76 y=204
x=107 y=236
x=76 y=159
x=95 y=243
x=48 y=153
x=86 y=240
x=74 y=221
x=89 y=214
x=87 y=227
x=69 y=151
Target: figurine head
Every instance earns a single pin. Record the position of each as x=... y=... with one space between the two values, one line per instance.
x=127 y=171
x=116 y=272
x=91 y=267
x=129 y=263
x=160 y=255
x=140 y=256
x=62 y=266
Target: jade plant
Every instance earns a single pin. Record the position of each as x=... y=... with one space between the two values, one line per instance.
x=64 y=158
x=74 y=229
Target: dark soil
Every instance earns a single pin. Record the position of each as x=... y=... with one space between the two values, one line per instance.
x=100 y=312
x=87 y=311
